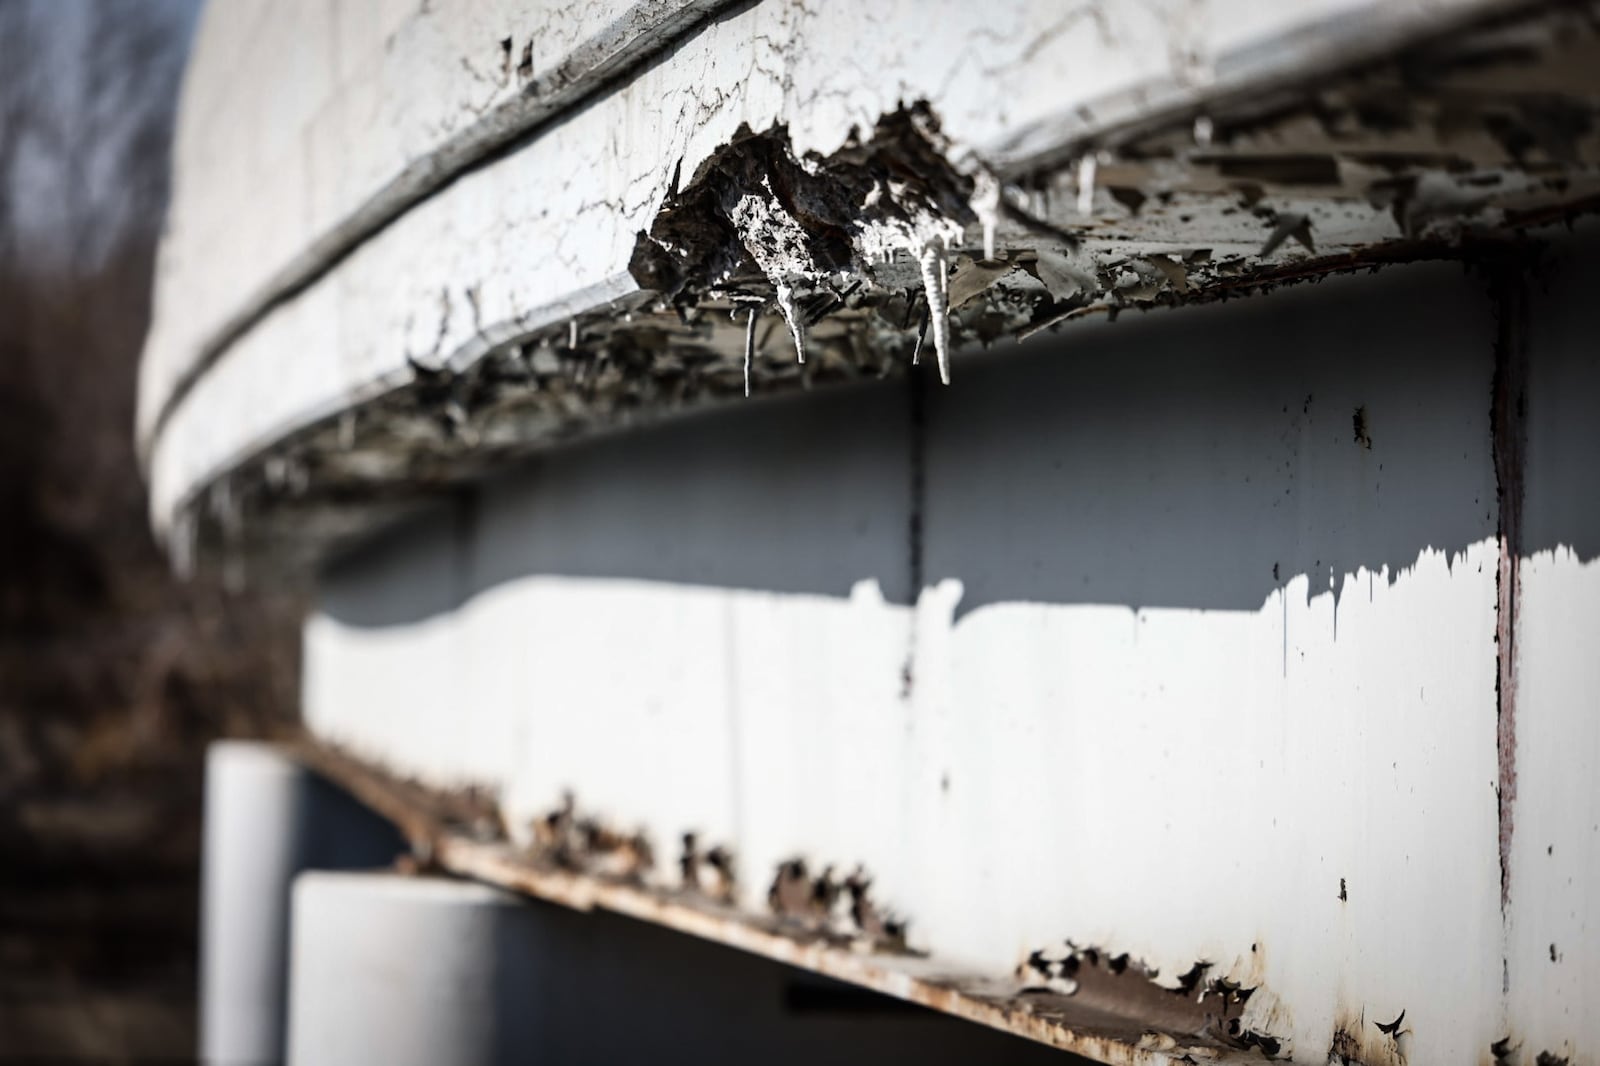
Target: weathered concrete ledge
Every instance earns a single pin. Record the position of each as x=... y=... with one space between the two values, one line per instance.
x=487 y=304
x=1112 y=1010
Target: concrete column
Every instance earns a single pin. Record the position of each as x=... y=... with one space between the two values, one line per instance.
x=267 y=818
x=412 y=972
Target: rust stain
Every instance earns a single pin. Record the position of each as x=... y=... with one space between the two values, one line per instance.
x=1109 y=1028
x=1507 y=426
x=1362 y=1041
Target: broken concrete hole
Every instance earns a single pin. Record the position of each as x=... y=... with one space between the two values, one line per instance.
x=874 y=238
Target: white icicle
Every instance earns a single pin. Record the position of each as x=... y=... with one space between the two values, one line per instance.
x=1202 y=131
x=1086 y=169
x=797 y=328
x=749 y=349
x=936 y=286
x=986 y=205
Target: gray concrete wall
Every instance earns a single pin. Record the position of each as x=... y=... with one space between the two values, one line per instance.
x=1176 y=635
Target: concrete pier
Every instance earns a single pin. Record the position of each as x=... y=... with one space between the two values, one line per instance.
x=267 y=818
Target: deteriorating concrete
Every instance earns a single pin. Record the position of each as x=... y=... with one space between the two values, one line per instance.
x=1233 y=641
x=1109 y=1030
x=1182 y=654
x=836 y=234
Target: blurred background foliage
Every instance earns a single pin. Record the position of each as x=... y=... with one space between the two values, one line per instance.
x=112 y=676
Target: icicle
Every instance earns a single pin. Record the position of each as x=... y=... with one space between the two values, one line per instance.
x=922 y=335
x=1086 y=169
x=749 y=349
x=985 y=203
x=936 y=284
x=791 y=315
x=572 y=335
x=1203 y=130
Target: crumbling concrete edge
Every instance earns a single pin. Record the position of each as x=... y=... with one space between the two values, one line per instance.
x=644 y=31
x=653 y=27
x=446 y=836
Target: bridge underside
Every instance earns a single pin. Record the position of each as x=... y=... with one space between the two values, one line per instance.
x=1075 y=515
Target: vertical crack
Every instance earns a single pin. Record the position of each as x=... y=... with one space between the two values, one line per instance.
x=1508 y=414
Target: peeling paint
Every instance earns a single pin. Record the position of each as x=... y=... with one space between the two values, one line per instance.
x=1197 y=1001
x=1351 y=172
x=582 y=843
x=1129 y=1024
x=840 y=908
x=1359 y=1040
x=708 y=872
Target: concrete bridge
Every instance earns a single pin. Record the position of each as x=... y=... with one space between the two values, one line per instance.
x=1075 y=515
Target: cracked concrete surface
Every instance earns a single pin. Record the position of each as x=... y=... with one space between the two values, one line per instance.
x=435 y=348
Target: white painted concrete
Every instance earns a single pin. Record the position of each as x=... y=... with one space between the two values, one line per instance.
x=365 y=93
x=546 y=231
x=1554 y=931
x=1187 y=659
x=410 y=971
x=267 y=819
